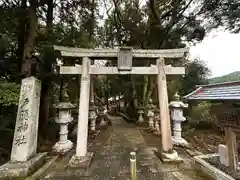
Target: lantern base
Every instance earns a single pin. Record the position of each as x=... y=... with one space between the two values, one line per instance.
x=157 y=133
x=102 y=123
x=140 y=121
x=62 y=148
x=179 y=141
x=150 y=129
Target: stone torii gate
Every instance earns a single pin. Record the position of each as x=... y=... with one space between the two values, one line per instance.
x=124 y=56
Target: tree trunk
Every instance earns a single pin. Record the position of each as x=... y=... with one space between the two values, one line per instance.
x=145 y=88
x=21 y=35
x=30 y=40
x=46 y=82
x=134 y=92
x=49 y=20
x=155 y=93
x=44 y=111
x=92 y=24
x=150 y=89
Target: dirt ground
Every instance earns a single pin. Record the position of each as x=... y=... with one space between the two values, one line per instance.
x=204 y=139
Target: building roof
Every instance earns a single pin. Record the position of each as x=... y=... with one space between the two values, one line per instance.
x=218 y=91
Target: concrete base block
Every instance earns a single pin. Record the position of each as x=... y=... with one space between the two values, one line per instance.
x=171 y=157
x=14 y=170
x=81 y=162
x=172 y=161
x=210 y=170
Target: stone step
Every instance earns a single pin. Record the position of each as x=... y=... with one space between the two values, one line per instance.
x=189 y=175
x=48 y=164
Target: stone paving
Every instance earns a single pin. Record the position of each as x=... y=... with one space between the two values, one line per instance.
x=111 y=160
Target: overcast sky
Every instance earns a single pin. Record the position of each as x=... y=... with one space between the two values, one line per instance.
x=221 y=52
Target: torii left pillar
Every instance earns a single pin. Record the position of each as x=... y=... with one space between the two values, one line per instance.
x=82 y=158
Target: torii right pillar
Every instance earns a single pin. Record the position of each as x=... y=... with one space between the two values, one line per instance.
x=167 y=154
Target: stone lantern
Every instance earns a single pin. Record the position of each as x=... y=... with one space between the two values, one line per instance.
x=150 y=115
x=92 y=116
x=157 y=122
x=64 y=118
x=177 y=117
x=102 y=116
x=140 y=117
x=121 y=104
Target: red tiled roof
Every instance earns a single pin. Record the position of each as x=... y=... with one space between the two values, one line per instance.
x=219 y=91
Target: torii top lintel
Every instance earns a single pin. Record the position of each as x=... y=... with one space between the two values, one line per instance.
x=113 y=53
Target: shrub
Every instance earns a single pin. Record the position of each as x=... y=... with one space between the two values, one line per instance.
x=200 y=113
x=9 y=94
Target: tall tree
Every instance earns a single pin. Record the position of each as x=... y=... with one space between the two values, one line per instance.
x=225 y=13
x=29 y=45
x=46 y=75
x=197 y=73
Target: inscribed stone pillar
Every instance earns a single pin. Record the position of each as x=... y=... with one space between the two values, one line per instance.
x=24 y=159
x=82 y=132
x=167 y=145
x=26 y=129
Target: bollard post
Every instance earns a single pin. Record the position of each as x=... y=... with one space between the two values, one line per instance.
x=133 y=167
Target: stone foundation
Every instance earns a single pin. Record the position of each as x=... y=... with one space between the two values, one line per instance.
x=81 y=162
x=13 y=170
x=170 y=157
